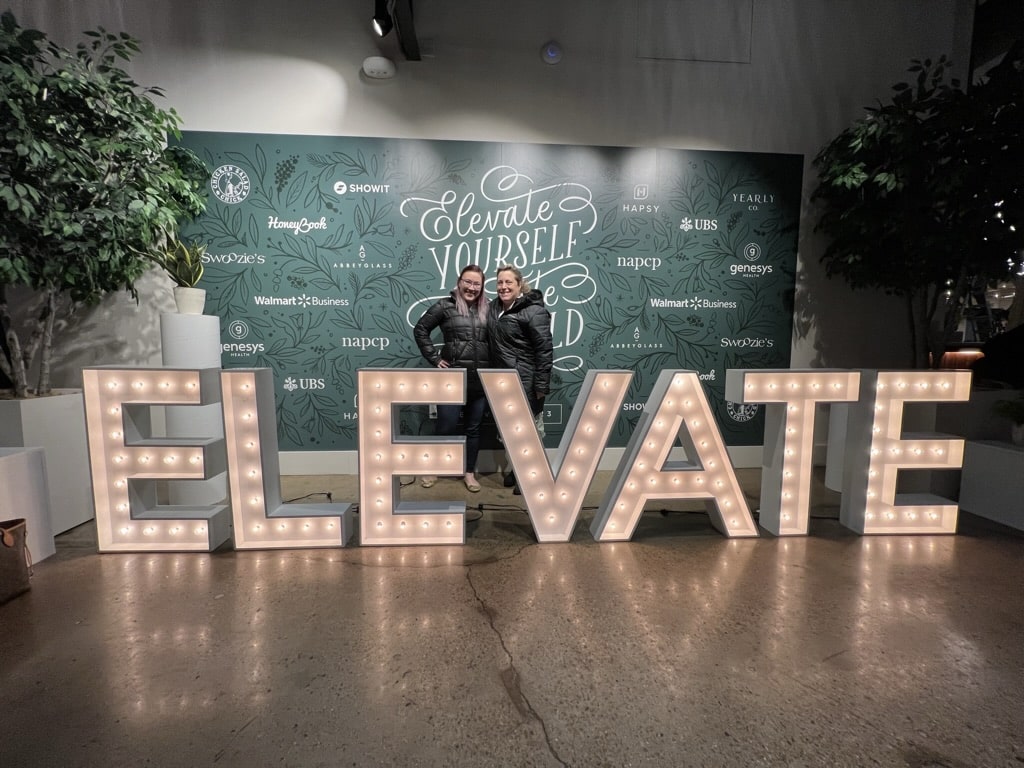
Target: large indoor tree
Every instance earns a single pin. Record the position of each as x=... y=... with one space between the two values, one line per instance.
x=921 y=197
x=89 y=188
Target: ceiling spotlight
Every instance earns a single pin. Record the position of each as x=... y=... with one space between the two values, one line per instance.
x=551 y=52
x=382 y=21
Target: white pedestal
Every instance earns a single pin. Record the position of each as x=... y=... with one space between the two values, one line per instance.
x=57 y=424
x=24 y=493
x=193 y=341
x=992 y=484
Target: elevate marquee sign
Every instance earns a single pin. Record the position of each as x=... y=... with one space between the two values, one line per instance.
x=323 y=251
x=127 y=460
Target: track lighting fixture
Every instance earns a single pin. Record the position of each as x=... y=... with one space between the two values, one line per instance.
x=382 y=21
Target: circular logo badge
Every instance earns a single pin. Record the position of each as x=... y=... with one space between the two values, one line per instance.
x=238 y=329
x=752 y=251
x=230 y=184
x=741 y=412
x=340 y=187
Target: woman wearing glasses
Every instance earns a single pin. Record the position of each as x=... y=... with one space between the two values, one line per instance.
x=462 y=318
x=519 y=327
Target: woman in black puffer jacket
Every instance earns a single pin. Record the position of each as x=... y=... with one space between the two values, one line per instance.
x=519 y=327
x=462 y=318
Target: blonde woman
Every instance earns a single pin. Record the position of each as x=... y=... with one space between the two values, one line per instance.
x=519 y=328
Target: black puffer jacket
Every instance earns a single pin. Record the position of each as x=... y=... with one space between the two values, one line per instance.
x=465 y=338
x=521 y=339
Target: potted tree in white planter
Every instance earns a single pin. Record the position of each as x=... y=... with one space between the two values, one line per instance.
x=90 y=191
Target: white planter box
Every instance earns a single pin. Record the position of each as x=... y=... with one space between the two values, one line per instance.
x=57 y=425
x=23 y=493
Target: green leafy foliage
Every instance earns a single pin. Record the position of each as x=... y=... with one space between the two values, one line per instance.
x=183 y=261
x=89 y=188
x=917 y=197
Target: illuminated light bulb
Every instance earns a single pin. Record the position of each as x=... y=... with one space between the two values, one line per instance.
x=148 y=531
x=250 y=444
x=526 y=451
x=176 y=529
x=533 y=473
x=195 y=459
x=401 y=456
x=631 y=484
x=787 y=473
x=143 y=459
x=380 y=524
x=580 y=451
x=378 y=456
x=711 y=463
x=518 y=428
x=426 y=386
x=330 y=526
x=401 y=385
x=917 y=451
x=115 y=435
x=122 y=507
x=699 y=480
x=749 y=385
x=138 y=384
x=933 y=515
x=119 y=483
x=201 y=530
x=192 y=384
x=114 y=411
x=112 y=385
x=551 y=518
x=246 y=386
x=785 y=516
x=675 y=480
x=306 y=527
x=772 y=385
x=816 y=385
x=378 y=480
x=718 y=483
x=564 y=495
x=870 y=515
x=510 y=406
x=426 y=524
x=695 y=423
x=622 y=505
x=283 y=527
x=380 y=502
x=254 y=500
x=890 y=516
x=253 y=473
x=378 y=433
x=402 y=524
x=733 y=522
x=125 y=530
x=572 y=473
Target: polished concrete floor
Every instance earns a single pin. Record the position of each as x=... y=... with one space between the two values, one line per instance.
x=680 y=648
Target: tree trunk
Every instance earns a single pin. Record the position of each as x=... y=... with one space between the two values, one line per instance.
x=13 y=364
x=47 y=317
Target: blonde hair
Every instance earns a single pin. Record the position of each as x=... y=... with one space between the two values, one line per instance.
x=524 y=287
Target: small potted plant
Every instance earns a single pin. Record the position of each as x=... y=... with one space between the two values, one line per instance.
x=1014 y=411
x=183 y=262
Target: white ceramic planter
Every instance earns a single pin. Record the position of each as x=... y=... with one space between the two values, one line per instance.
x=190 y=301
x=23 y=493
x=56 y=424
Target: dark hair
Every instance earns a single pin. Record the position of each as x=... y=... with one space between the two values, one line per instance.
x=481 y=300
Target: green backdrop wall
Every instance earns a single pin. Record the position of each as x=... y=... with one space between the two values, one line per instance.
x=325 y=250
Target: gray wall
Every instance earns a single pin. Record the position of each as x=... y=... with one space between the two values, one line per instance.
x=751 y=75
